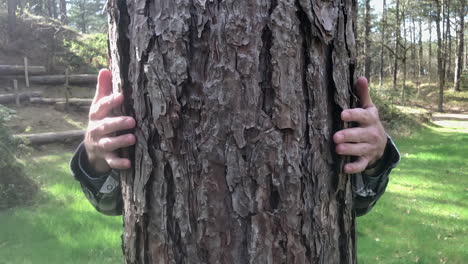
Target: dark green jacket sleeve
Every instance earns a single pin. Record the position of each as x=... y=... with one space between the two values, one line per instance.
x=371 y=183
x=102 y=190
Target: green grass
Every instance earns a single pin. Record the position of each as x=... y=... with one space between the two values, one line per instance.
x=62 y=227
x=423 y=216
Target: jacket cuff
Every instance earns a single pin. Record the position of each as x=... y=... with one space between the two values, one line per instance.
x=101 y=189
x=371 y=184
x=389 y=159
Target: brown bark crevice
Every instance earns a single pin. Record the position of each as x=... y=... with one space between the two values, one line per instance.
x=235 y=110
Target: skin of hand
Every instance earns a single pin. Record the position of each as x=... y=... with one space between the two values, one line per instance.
x=100 y=140
x=367 y=141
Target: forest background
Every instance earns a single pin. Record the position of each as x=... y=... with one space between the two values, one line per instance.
x=414 y=52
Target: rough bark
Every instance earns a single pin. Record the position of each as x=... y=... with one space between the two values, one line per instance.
x=235 y=105
x=460 y=45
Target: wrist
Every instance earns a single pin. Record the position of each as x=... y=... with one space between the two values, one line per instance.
x=96 y=164
x=380 y=162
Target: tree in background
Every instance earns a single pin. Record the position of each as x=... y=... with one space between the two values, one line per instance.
x=86 y=15
x=460 y=45
x=383 y=26
x=367 y=40
x=440 y=59
x=234 y=161
x=63 y=11
x=11 y=16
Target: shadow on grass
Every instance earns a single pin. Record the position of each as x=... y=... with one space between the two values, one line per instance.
x=423 y=217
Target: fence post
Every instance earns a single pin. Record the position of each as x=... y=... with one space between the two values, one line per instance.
x=17 y=96
x=26 y=72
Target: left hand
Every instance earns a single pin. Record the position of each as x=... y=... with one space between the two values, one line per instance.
x=367 y=141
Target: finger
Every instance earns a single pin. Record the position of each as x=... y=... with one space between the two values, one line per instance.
x=358 y=166
x=349 y=135
x=116 y=162
x=113 y=143
x=104 y=85
x=362 y=90
x=353 y=149
x=103 y=106
x=110 y=125
x=362 y=116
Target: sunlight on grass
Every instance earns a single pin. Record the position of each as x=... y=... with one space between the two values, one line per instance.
x=77 y=124
x=62 y=227
x=423 y=217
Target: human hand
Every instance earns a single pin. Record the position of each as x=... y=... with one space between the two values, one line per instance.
x=367 y=141
x=100 y=141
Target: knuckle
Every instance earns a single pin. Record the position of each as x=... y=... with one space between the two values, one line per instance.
x=105 y=143
x=92 y=113
x=93 y=132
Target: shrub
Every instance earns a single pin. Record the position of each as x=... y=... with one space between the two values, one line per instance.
x=15 y=188
x=89 y=50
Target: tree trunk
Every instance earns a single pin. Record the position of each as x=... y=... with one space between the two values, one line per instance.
x=367 y=42
x=460 y=46
x=413 y=47
x=448 y=44
x=63 y=11
x=11 y=17
x=382 y=46
x=440 y=67
x=420 y=55
x=397 y=42
x=236 y=106
x=430 y=50
x=404 y=55
x=84 y=20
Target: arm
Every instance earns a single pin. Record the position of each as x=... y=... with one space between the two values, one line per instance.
x=370 y=184
x=95 y=163
x=102 y=189
x=376 y=154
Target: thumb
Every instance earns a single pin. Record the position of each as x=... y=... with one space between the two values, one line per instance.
x=104 y=85
x=362 y=90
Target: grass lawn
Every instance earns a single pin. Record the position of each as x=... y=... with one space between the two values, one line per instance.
x=423 y=216
x=62 y=227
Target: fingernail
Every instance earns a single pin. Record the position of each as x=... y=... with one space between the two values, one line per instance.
x=338 y=137
x=129 y=121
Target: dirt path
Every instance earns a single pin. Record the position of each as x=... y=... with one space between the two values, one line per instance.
x=454 y=121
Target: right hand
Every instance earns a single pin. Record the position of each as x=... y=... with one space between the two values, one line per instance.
x=100 y=141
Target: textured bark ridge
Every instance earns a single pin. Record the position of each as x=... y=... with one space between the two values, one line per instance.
x=236 y=103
